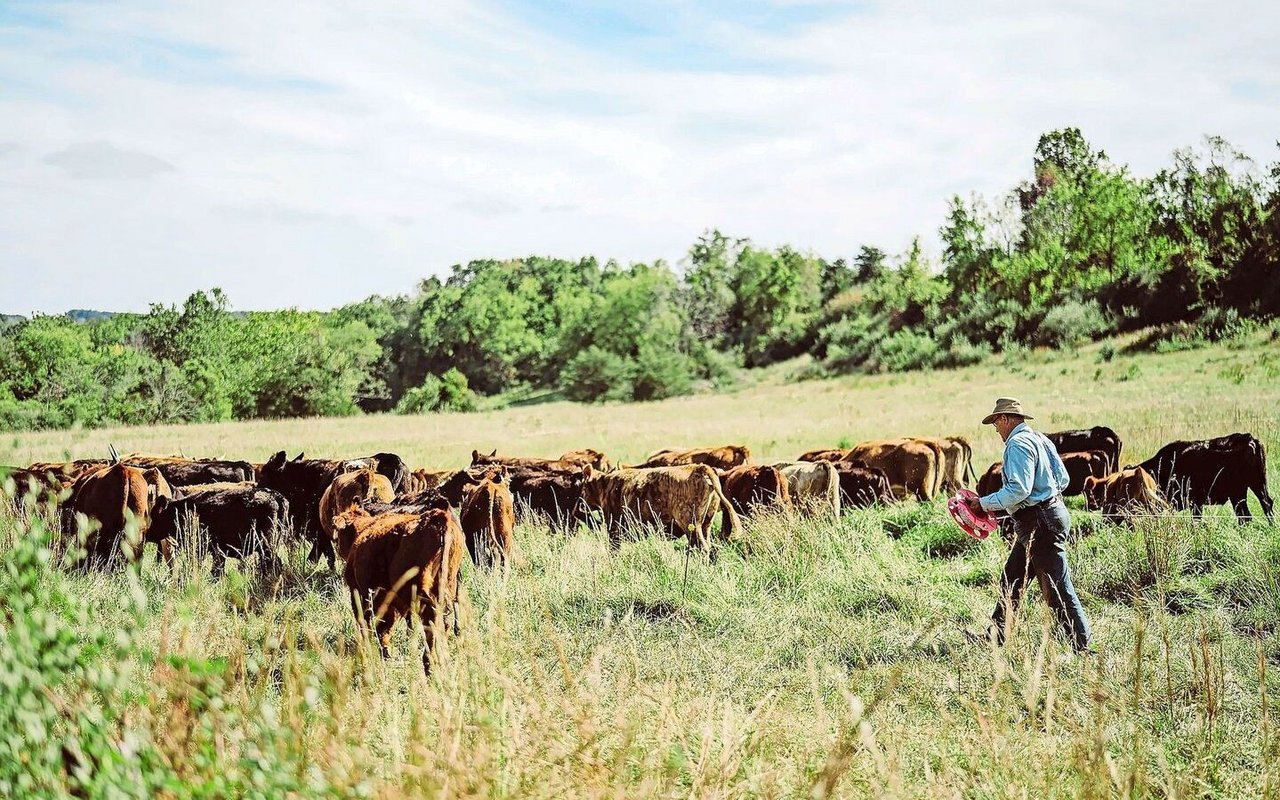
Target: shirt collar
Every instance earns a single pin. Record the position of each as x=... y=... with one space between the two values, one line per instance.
x=1021 y=426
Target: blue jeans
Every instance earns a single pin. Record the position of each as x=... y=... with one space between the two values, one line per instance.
x=1039 y=548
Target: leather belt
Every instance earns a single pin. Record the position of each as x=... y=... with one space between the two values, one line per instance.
x=1042 y=504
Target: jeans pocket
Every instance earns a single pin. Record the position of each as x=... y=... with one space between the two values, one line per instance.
x=1054 y=520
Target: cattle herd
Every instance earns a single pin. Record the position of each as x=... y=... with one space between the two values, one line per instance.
x=402 y=532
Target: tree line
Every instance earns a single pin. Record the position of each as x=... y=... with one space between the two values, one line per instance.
x=1080 y=250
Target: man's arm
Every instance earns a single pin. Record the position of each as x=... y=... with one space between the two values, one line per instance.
x=1019 y=472
x=1059 y=470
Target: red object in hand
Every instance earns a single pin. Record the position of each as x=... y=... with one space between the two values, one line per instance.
x=978 y=524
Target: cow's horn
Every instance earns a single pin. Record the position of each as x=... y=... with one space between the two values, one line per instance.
x=115 y=454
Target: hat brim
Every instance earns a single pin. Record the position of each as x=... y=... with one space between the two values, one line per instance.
x=990 y=418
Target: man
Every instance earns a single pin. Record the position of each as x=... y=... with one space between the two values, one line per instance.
x=1034 y=478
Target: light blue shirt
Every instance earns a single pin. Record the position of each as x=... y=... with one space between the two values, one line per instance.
x=1033 y=472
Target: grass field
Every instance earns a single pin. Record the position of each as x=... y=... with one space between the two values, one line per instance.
x=829 y=660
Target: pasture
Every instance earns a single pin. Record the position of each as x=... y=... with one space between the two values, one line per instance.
x=820 y=659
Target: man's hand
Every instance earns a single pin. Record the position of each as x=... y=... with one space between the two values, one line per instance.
x=974 y=504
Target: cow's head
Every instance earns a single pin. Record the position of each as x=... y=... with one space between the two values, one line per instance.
x=1094 y=493
x=275 y=463
x=157 y=486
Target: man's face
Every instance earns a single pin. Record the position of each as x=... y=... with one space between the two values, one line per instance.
x=1004 y=425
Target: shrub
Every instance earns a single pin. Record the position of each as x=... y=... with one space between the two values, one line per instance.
x=597 y=374
x=963 y=353
x=1223 y=324
x=906 y=350
x=447 y=392
x=1071 y=324
x=849 y=342
x=659 y=374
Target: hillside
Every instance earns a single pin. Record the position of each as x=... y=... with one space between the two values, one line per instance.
x=819 y=659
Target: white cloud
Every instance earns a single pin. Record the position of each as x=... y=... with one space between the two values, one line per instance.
x=328 y=151
x=104 y=161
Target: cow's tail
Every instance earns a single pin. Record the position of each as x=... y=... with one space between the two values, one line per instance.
x=492 y=540
x=939 y=470
x=969 y=475
x=833 y=489
x=730 y=527
x=1260 y=487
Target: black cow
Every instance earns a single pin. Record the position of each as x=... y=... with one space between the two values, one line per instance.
x=1082 y=441
x=1212 y=472
x=388 y=465
x=240 y=521
x=303 y=481
x=179 y=472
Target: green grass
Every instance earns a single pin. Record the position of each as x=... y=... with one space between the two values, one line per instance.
x=824 y=660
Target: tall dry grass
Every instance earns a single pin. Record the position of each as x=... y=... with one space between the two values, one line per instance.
x=828 y=659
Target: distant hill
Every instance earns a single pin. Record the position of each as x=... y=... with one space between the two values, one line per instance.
x=76 y=314
x=87 y=315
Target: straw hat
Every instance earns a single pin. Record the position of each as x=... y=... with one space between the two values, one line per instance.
x=1006 y=405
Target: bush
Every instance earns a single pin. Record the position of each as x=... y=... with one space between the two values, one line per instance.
x=597 y=374
x=1223 y=324
x=849 y=342
x=963 y=353
x=447 y=392
x=906 y=350
x=1071 y=324
x=719 y=367
x=657 y=374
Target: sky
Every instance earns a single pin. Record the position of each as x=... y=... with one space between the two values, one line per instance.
x=310 y=154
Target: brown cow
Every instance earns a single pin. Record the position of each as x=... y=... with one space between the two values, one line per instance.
x=824 y=455
x=489 y=518
x=420 y=480
x=68 y=472
x=584 y=456
x=555 y=495
x=479 y=459
x=726 y=457
x=395 y=560
x=967 y=473
x=681 y=500
x=992 y=480
x=749 y=488
x=206 y=488
x=30 y=488
x=912 y=467
x=815 y=487
x=349 y=490
x=1121 y=494
x=113 y=497
x=952 y=461
x=1080 y=466
x=862 y=486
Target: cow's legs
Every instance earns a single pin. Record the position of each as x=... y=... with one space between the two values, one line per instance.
x=1241 y=506
x=219 y=561
x=428 y=619
x=166 y=551
x=1264 y=499
x=359 y=611
x=382 y=626
x=699 y=534
x=325 y=545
